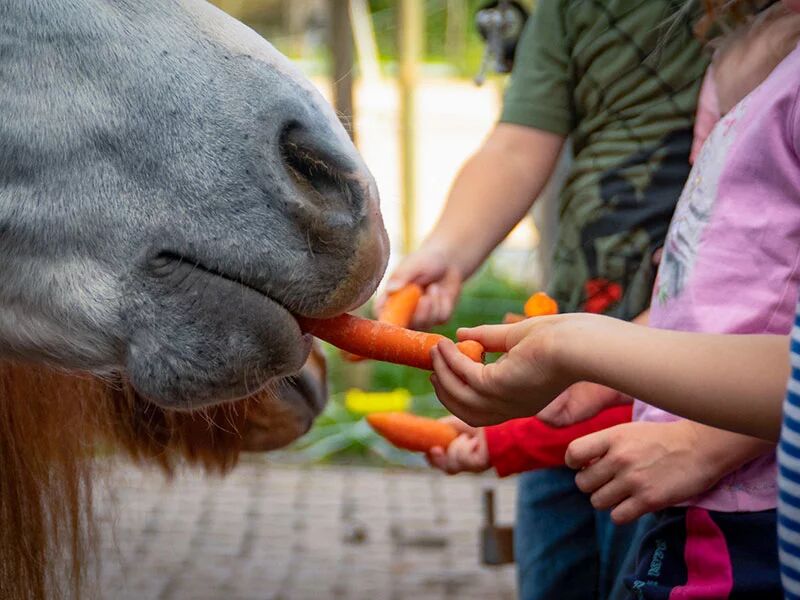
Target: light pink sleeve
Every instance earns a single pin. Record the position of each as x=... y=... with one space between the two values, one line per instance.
x=707 y=113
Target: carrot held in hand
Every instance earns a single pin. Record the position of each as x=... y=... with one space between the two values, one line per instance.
x=397 y=310
x=410 y=432
x=382 y=341
x=539 y=305
x=400 y=305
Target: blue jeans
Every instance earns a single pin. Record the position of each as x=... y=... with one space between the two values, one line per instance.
x=564 y=548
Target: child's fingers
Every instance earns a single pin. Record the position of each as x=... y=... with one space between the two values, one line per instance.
x=627 y=511
x=466 y=369
x=581 y=451
x=456 y=396
x=437 y=458
x=447 y=378
x=449 y=402
x=611 y=494
x=595 y=476
x=492 y=337
x=457 y=454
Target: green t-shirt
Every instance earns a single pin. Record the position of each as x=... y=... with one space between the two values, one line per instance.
x=621 y=79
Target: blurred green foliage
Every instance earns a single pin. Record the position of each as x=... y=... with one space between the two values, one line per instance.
x=385 y=20
x=458 y=53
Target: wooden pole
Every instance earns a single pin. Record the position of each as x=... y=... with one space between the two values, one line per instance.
x=342 y=55
x=366 y=44
x=410 y=49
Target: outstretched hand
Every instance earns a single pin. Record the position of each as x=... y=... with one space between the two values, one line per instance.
x=524 y=380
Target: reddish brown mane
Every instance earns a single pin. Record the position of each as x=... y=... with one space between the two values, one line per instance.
x=51 y=426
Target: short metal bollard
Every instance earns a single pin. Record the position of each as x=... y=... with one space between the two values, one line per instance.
x=497 y=541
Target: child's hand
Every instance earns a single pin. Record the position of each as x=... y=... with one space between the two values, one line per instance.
x=638 y=468
x=520 y=384
x=467 y=453
x=579 y=402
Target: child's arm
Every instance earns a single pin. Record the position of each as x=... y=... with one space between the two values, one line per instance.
x=734 y=382
x=519 y=445
x=492 y=192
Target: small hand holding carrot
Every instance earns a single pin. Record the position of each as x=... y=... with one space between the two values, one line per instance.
x=522 y=382
x=467 y=453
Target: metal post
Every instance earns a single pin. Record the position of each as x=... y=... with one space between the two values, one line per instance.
x=342 y=51
x=410 y=50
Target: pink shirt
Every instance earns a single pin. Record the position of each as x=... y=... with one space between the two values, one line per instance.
x=731 y=260
x=707 y=113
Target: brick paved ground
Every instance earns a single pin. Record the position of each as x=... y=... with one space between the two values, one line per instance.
x=296 y=533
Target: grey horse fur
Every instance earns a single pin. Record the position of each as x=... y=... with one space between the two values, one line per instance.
x=171 y=191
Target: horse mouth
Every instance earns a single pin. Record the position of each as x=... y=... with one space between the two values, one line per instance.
x=168 y=261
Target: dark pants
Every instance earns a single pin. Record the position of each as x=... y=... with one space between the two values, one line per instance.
x=696 y=553
x=564 y=548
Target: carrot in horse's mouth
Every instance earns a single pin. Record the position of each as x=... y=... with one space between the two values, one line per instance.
x=397 y=310
x=383 y=341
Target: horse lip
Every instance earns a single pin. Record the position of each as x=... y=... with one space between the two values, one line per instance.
x=166 y=260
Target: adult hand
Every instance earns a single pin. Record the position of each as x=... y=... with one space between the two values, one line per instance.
x=441 y=282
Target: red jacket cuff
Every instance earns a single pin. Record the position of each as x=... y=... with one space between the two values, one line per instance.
x=528 y=444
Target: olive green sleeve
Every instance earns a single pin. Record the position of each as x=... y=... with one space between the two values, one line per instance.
x=540 y=92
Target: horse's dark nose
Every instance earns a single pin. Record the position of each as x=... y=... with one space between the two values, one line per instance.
x=333 y=189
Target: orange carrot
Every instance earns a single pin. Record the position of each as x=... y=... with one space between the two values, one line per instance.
x=382 y=341
x=539 y=305
x=397 y=310
x=350 y=357
x=472 y=349
x=410 y=432
x=400 y=305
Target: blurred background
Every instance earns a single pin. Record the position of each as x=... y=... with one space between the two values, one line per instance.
x=340 y=513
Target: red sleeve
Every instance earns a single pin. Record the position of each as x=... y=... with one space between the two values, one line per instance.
x=528 y=444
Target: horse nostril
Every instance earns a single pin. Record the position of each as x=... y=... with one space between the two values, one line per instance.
x=320 y=173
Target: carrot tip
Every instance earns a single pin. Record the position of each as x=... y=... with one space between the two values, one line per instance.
x=473 y=350
x=539 y=305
